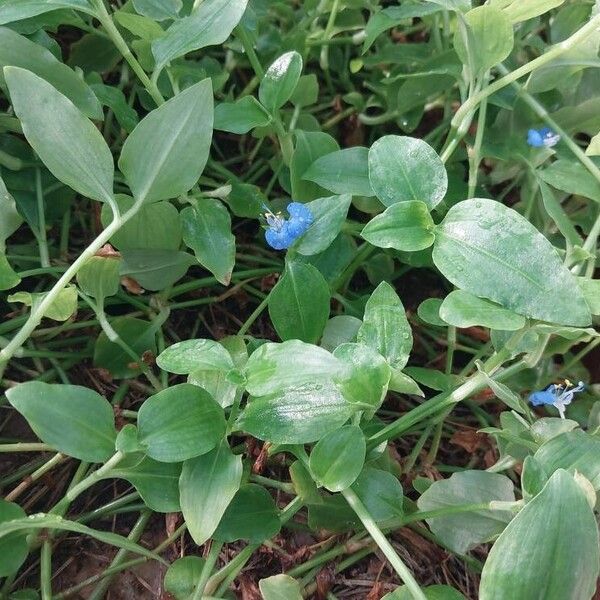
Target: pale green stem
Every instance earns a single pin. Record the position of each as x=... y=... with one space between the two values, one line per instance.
x=385 y=547
x=324 y=59
x=96 y=476
x=42 y=239
x=211 y=560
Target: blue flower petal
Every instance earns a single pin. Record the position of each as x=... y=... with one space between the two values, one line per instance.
x=297 y=210
x=535 y=139
x=279 y=239
x=543 y=397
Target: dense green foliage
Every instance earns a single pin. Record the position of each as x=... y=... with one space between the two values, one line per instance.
x=268 y=265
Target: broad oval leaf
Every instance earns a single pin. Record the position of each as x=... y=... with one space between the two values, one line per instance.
x=329 y=215
x=280 y=80
x=210 y=23
x=280 y=587
x=159 y=10
x=17 y=10
x=493 y=252
x=240 y=116
x=13 y=548
x=404 y=168
x=17 y=51
x=575 y=451
x=463 y=309
x=381 y=493
x=75 y=420
x=252 y=516
x=299 y=414
x=342 y=172
x=299 y=303
x=183 y=576
x=530 y=559
x=67 y=142
x=490 y=38
x=338 y=458
x=405 y=226
x=207 y=485
x=180 y=422
x=191 y=355
x=385 y=327
x=207 y=231
x=462 y=531
x=156 y=482
x=166 y=153
x=274 y=367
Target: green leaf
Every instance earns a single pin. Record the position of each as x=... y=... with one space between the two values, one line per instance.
x=432 y=592
x=337 y=459
x=518 y=11
x=17 y=10
x=406 y=226
x=462 y=531
x=593 y=148
x=490 y=250
x=299 y=303
x=159 y=10
x=590 y=288
x=503 y=392
x=339 y=330
x=166 y=153
x=115 y=99
x=273 y=367
x=280 y=587
x=207 y=485
x=558 y=215
x=240 y=116
x=252 y=516
x=280 y=81
x=155 y=269
x=574 y=451
x=342 y=172
x=405 y=168
x=191 y=355
x=310 y=145
x=67 y=142
x=154 y=226
x=10 y=218
x=207 y=231
x=8 y=278
x=182 y=576
x=137 y=334
x=156 y=482
x=209 y=24
x=17 y=51
x=180 y=422
x=307 y=91
x=385 y=327
x=329 y=215
x=75 y=420
x=49 y=521
x=13 y=548
x=490 y=38
x=529 y=560
x=429 y=311
x=395 y=15
x=463 y=309
x=299 y=414
x=60 y=309
x=571 y=177
x=99 y=277
x=381 y=493
x=368 y=375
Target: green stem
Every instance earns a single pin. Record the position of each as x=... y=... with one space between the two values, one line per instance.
x=46 y=570
x=42 y=238
x=25 y=447
x=114 y=34
x=324 y=58
x=243 y=36
x=250 y=320
x=209 y=565
x=387 y=549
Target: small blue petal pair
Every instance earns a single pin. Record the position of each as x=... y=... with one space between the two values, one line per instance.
x=282 y=233
x=542 y=138
x=558 y=396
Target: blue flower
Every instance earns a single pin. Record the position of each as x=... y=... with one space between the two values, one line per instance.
x=557 y=395
x=542 y=138
x=282 y=233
